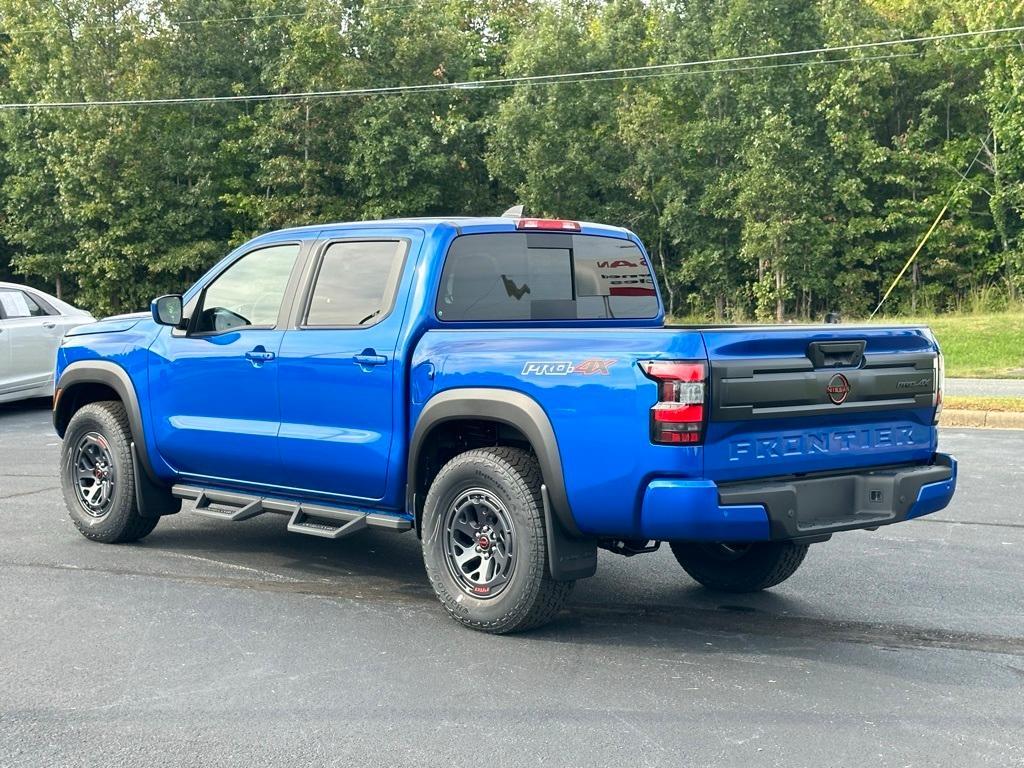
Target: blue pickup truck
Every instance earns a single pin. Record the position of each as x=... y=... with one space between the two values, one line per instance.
x=508 y=389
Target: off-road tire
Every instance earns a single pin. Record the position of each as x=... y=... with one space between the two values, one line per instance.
x=122 y=522
x=762 y=564
x=531 y=597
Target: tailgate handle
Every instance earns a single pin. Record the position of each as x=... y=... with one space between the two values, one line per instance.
x=836 y=354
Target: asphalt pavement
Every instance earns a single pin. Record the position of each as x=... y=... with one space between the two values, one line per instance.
x=219 y=644
x=985 y=387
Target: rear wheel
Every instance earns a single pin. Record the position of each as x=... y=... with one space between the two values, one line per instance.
x=484 y=542
x=97 y=475
x=739 y=567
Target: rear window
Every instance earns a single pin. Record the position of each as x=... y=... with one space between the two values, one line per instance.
x=545 y=276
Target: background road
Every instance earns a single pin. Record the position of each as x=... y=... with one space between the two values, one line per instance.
x=985 y=387
x=220 y=644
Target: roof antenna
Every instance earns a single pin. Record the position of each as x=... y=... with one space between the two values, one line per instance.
x=515 y=212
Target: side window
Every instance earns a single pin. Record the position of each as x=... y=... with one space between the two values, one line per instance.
x=20 y=304
x=249 y=292
x=36 y=308
x=355 y=284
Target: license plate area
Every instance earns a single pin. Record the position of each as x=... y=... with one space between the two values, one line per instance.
x=855 y=501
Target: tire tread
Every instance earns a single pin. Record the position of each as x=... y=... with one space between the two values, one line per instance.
x=540 y=605
x=770 y=564
x=111 y=414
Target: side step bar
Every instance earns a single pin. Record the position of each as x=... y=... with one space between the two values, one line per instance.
x=321 y=520
x=220 y=509
x=328 y=528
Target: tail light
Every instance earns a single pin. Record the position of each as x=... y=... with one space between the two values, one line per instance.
x=678 y=416
x=940 y=384
x=556 y=225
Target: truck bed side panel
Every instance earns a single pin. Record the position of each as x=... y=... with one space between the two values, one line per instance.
x=593 y=392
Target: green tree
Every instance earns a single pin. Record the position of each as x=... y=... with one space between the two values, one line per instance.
x=124 y=201
x=777 y=200
x=681 y=132
x=557 y=146
x=775 y=187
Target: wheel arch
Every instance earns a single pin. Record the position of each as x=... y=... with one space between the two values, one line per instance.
x=521 y=415
x=91 y=381
x=518 y=419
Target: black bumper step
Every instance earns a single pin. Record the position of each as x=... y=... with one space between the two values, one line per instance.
x=811 y=507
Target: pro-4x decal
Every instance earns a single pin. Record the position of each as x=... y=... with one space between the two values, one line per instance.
x=589 y=367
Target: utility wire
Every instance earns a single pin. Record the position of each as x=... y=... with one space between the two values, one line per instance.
x=581 y=76
x=949 y=202
x=787 y=65
x=609 y=78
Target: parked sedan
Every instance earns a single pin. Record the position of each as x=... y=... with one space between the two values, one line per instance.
x=32 y=324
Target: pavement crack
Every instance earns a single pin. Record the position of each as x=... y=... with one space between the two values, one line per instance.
x=969 y=522
x=1012 y=668
x=222 y=564
x=29 y=493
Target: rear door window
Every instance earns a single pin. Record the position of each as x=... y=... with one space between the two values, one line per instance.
x=545 y=276
x=355 y=283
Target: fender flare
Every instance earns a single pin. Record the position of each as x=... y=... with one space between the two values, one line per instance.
x=151 y=492
x=571 y=553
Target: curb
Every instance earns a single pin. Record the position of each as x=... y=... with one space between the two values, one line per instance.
x=991 y=419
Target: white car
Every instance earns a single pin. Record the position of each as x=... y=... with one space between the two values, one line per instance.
x=32 y=324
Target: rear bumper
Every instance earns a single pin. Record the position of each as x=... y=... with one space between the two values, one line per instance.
x=791 y=509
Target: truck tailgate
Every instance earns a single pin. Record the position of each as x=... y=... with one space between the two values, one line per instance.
x=794 y=401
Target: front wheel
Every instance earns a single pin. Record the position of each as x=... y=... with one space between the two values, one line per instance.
x=484 y=542
x=98 y=478
x=739 y=567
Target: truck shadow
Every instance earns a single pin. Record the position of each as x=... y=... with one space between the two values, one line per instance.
x=31 y=406
x=371 y=563
x=387 y=569
x=765 y=621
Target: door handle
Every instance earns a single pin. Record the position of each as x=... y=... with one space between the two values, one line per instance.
x=49 y=324
x=259 y=356
x=368 y=359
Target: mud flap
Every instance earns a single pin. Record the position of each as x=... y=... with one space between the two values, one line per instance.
x=152 y=499
x=569 y=558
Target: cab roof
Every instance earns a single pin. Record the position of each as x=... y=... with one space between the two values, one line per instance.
x=461 y=225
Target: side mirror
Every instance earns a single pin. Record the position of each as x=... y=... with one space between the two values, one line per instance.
x=167 y=310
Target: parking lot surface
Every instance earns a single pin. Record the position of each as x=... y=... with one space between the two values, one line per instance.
x=218 y=644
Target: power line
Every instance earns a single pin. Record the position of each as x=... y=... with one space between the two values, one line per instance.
x=949 y=202
x=731 y=70
x=673 y=69
x=787 y=54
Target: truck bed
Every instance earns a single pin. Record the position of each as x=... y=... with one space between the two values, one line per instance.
x=768 y=413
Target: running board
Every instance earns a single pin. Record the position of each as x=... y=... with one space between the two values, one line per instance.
x=325 y=521
x=326 y=527
x=248 y=509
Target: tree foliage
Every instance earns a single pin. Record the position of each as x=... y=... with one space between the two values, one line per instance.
x=768 y=188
